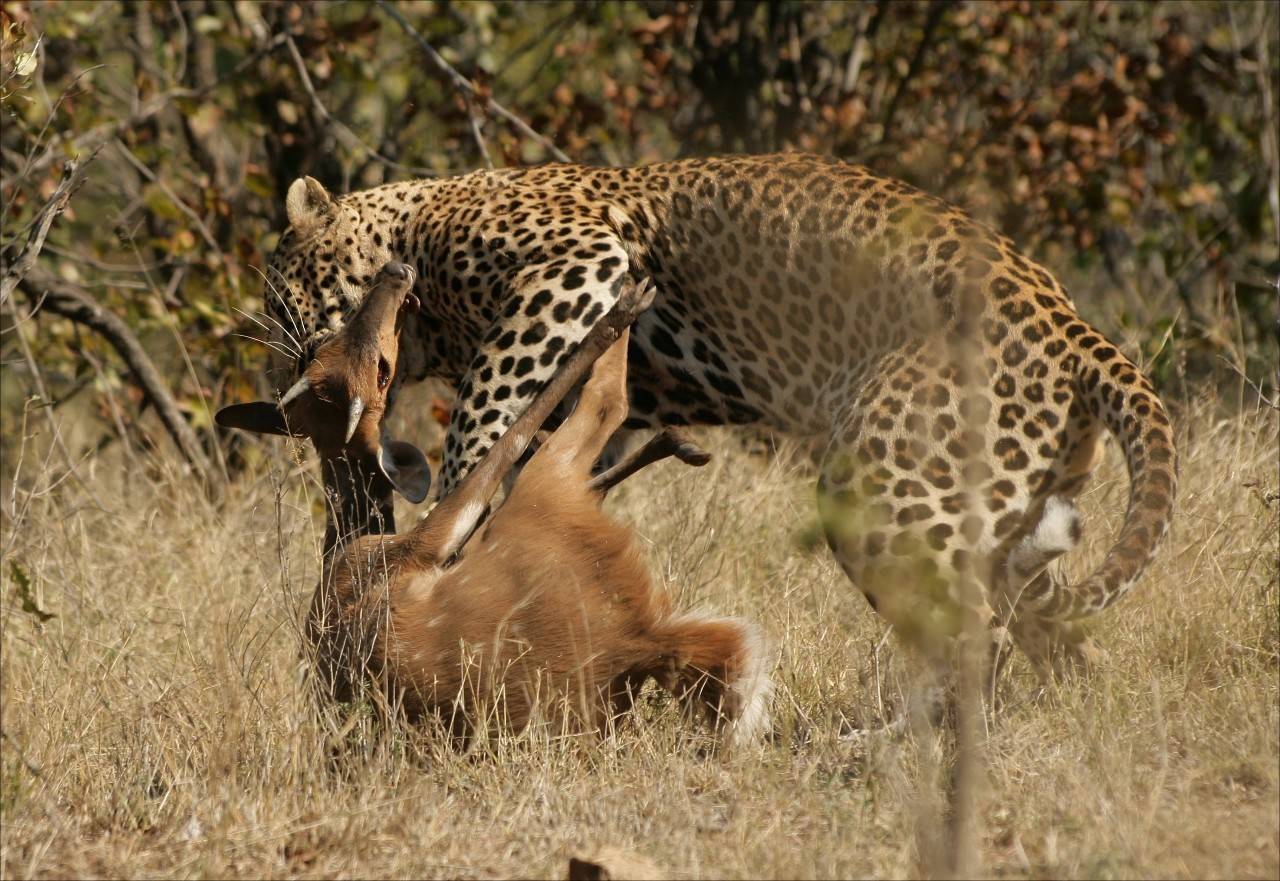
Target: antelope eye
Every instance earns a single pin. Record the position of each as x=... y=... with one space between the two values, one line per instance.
x=384 y=373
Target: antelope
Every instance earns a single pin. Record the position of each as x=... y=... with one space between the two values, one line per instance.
x=547 y=602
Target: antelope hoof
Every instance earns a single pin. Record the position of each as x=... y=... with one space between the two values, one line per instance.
x=684 y=449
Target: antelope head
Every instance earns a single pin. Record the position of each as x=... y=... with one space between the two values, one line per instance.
x=339 y=403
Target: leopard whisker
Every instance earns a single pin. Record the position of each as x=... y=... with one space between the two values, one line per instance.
x=290 y=342
x=298 y=332
x=288 y=308
x=270 y=344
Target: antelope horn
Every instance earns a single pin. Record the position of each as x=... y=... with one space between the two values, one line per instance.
x=296 y=389
x=353 y=418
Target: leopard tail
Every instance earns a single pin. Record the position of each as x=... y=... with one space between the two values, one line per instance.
x=1112 y=389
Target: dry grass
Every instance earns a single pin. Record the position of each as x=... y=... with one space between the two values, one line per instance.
x=157 y=726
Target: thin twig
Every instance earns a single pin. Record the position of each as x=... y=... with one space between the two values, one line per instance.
x=936 y=9
x=103 y=265
x=341 y=129
x=465 y=85
x=53 y=112
x=205 y=232
x=1257 y=389
x=37 y=382
x=100 y=134
x=555 y=39
x=117 y=414
x=1270 y=147
x=1150 y=360
x=552 y=31
x=476 y=135
x=72 y=178
x=183 y=37
x=1201 y=247
x=867 y=27
x=163 y=300
x=76 y=304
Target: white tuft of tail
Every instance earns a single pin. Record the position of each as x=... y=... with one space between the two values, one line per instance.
x=1059 y=528
x=735 y=655
x=753 y=686
x=1057 y=532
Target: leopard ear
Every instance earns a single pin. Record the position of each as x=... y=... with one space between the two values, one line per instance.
x=309 y=205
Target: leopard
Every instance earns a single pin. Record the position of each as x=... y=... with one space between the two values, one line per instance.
x=961 y=400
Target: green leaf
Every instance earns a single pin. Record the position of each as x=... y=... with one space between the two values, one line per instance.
x=22 y=582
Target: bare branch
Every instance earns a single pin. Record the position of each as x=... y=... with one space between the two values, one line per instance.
x=476 y=134
x=466 y=87
x=77 y=304
x=341 y=129
x=72 y=178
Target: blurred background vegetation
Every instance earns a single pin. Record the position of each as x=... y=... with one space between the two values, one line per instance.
x=1131 y=147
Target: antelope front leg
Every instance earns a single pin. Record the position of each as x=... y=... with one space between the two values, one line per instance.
x=445 y=530
x=668 y=442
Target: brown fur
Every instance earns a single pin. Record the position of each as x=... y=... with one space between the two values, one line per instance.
x=549 y=605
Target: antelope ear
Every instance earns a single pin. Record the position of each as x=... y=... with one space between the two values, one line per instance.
x=309 y=205
x=406 y=467
x=258 y=417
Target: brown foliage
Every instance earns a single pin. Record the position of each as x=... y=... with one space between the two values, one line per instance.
x=1130 y=146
